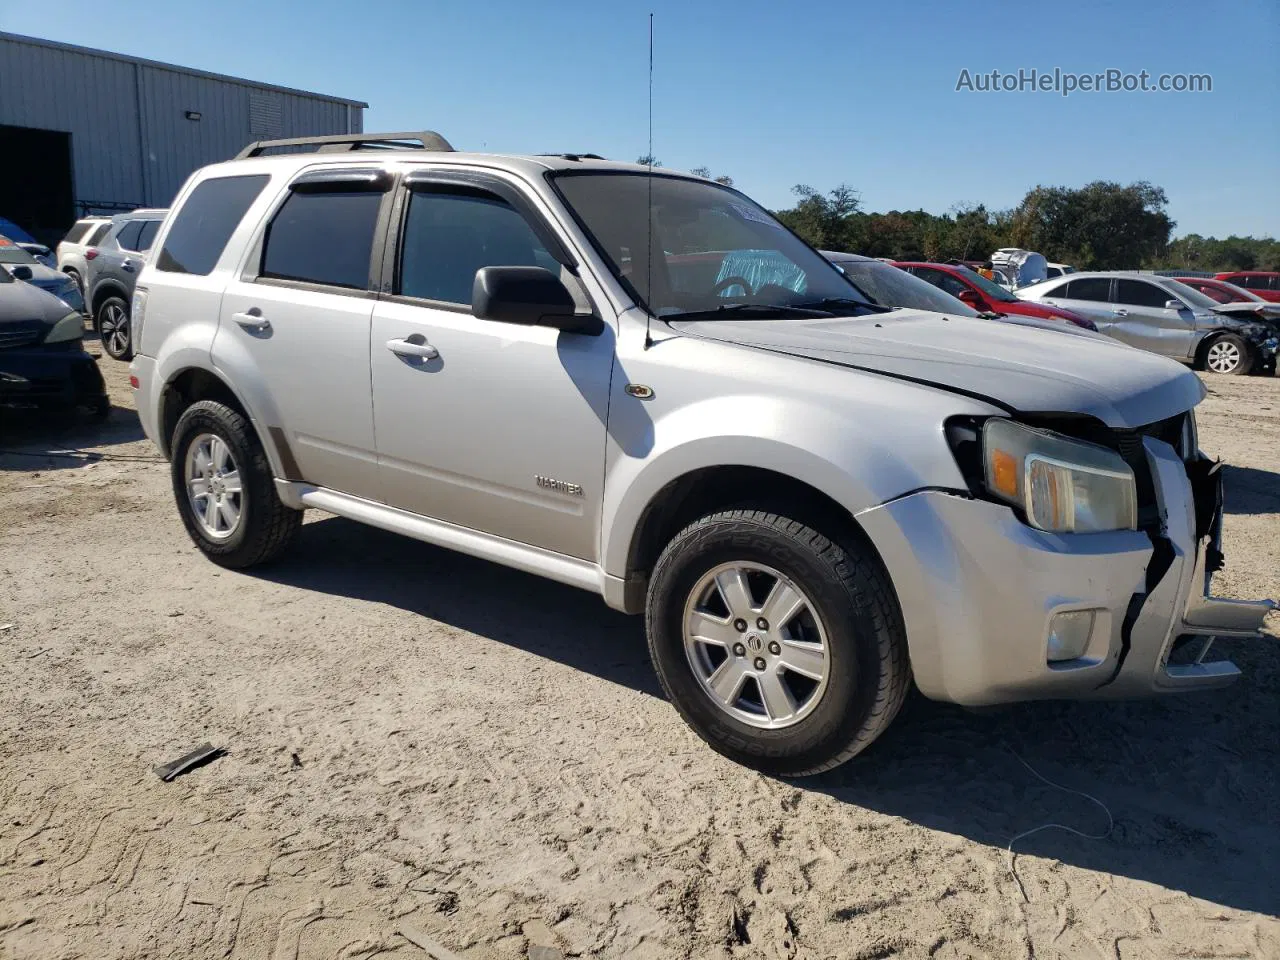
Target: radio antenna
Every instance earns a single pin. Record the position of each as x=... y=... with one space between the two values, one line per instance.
x=648 y=312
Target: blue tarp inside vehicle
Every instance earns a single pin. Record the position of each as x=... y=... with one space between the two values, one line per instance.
x=760 y=267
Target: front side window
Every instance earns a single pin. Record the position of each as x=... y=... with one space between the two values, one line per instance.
x=689 y=246
x=450 y=234
x=1139 y=294
x=1095 y=289
x=1217 y=294
x=204 y=223
x=323 y=237
x=943 y=281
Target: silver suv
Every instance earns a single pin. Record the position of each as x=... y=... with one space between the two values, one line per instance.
x=640 y=383
x=113 y=268
x=1165 y=316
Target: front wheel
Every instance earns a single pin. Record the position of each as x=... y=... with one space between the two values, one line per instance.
x=113 y=328
x=224 y=488
x=1228 y=354
x=783 y=649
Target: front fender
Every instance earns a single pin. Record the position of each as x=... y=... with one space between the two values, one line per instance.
x=856 y=460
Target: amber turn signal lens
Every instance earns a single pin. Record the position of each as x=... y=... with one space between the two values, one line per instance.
x=1004 y=473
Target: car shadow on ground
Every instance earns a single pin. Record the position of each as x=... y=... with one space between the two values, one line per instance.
x=1248 y=490
x=59 y=440
x=1191 y=782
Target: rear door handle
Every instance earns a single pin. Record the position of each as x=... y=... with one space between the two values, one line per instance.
x=127 y=265
x=405 y=348
x=252 y=319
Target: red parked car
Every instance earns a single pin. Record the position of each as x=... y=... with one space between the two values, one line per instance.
x=1265 y=283
x=984 y=296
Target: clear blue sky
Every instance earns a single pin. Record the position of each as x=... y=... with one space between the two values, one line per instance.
x=770 y=93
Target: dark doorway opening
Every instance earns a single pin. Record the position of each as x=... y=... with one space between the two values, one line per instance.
x=36 y=187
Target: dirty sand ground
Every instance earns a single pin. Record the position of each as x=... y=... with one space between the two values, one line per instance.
x=420 y=740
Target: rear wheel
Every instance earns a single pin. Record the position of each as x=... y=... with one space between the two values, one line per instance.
x=224 y=488
x=113 y=328
x=782 y=648
x=1228 y=354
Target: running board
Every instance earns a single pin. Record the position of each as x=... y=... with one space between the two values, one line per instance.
x=544 y=563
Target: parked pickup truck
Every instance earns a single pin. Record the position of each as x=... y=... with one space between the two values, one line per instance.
x=640 y=383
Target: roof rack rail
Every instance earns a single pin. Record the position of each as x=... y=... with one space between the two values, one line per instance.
x=343 y=142
x=574 y=156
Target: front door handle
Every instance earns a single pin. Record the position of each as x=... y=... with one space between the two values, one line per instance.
x=406 y=348
x=252 y=319
x=1120 y=312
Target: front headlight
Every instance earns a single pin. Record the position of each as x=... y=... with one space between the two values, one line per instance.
x=1060 y=484
x=70 y=327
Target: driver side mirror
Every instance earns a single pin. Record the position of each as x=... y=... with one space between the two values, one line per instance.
x=971 y=298
x=532 y=296
x=21 y=273
x=1174 y=305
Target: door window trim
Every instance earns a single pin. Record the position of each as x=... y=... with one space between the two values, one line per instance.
x=319 y=180
x=461 y=182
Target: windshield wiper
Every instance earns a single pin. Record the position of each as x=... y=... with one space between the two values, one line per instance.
x=831 y=304
x=763 y=311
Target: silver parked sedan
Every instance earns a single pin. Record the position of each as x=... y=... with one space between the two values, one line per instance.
x=1164 y=316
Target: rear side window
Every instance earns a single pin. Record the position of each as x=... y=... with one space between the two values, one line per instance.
x=1088 y=288
x=204 y=224
x=77 y=231
x=99 y=232
x=449 y=236
x=147 y=236
x=323 y=237
x=1142 y=294
x=127 y=238
x=1254 y=282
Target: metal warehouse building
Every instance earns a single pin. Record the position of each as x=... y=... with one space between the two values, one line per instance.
x=87 y=131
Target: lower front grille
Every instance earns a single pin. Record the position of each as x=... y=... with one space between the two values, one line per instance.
x=12 y=339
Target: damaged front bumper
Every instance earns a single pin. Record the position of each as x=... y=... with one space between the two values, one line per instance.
x=980 y=592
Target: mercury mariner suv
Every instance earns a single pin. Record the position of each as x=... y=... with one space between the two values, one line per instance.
x=640 y=383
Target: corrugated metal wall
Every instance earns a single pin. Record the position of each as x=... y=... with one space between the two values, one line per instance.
x=130 y=137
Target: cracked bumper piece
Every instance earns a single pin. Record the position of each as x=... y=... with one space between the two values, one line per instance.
x=982 y=594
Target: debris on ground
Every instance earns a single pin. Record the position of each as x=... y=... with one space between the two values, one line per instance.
x=433 y=949
x=204 y=753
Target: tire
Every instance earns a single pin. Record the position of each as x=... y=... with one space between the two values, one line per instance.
x=99 y=409
x=849 y=606
x=112 y=320
x=264 y=526
x=79 y=281
x=1228 y=354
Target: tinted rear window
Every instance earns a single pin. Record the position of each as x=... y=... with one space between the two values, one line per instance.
x=127 y=238
x=324 y=237
x=1088 y=288
x=77 y=231
x=205 y=223
x=99 y=232
x=148 y=234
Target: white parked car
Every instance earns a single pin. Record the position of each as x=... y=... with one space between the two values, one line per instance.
x=639 y=383
x=72 y=250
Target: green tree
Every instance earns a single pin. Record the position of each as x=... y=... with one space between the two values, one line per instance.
x=648 y=160
x=1101 y=226
x=824 y=220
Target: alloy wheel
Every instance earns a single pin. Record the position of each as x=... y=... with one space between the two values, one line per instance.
x=213 y=486
x=114 y=330
x=756 y=644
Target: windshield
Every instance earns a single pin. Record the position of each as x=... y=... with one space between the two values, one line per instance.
x=712 y=246
x=894 y=287
x=992 y=291
x=12 y=253
x=1191 y=295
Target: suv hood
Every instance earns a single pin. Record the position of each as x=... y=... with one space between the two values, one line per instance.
x=1021 y=369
